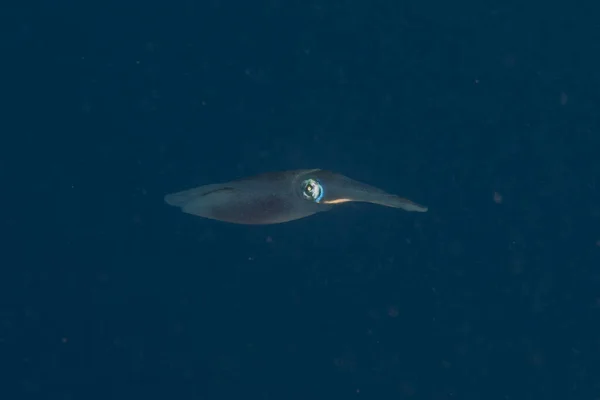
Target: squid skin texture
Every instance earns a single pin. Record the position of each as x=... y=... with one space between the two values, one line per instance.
x=278 y=197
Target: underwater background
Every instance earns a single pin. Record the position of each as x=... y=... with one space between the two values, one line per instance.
x=486 y=112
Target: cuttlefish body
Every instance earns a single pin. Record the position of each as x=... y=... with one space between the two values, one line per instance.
x=277 y=197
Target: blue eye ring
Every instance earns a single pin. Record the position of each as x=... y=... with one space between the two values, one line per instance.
x=313 y=190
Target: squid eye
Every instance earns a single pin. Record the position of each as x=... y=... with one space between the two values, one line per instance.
x=312 y=190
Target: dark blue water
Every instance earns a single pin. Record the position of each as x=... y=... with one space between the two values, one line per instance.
x=485 y=112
